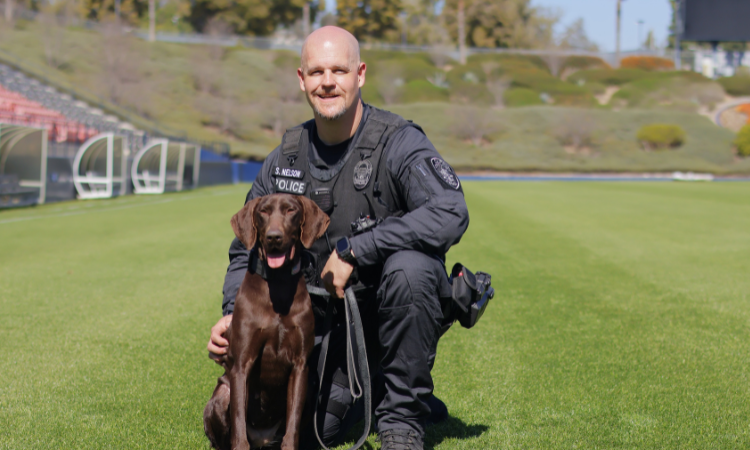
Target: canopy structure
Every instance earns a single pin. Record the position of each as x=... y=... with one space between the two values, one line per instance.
x=163 y=166
x=100 y=167
x=23 y=155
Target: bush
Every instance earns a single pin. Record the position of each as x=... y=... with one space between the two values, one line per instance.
x=576 y=63
x=522 y=97
x=467 y=92
x=646 y=63
x=737 y=85
x=659 y=135
x=743 y=141
x=609 y=77
x=423 y=91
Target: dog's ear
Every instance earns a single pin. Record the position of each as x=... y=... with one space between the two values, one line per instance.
x=243 y=226
x=314 y=222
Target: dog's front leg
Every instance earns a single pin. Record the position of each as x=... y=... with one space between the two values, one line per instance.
x=295 y=403
x=243 y=364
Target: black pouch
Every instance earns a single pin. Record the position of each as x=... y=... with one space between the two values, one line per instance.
x=471 y=294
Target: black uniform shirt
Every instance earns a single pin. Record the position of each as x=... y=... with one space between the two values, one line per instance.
x=435 y=211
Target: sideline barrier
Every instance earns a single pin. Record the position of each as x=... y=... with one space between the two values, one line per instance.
x=164 y=166
x=99 y=168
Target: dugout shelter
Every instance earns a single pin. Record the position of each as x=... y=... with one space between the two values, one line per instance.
x=100 y=167
x=165 y=166
x=23 y=165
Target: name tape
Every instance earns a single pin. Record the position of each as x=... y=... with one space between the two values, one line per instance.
x=290 y=186
x=291 y=173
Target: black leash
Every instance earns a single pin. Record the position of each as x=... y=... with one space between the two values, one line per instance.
x=353 y=320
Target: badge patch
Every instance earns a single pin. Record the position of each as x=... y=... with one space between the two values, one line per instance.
x=290 y=186
x=291 y=173
x=445 y=173
x=362 y=173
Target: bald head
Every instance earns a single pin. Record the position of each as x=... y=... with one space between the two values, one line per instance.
x=334 y=40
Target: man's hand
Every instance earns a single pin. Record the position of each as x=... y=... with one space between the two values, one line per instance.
x=336 y=274
x=218 y=345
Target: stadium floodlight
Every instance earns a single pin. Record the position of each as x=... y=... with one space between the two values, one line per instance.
x=163 y=166
x=23 y=154
x=99 y=168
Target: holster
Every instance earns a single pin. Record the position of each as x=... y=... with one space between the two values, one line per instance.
x=471 y=295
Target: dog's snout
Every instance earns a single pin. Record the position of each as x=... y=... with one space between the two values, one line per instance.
x=274 y=237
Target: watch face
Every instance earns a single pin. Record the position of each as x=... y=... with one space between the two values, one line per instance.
x=342 y=246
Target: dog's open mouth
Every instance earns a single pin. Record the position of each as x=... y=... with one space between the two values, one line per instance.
x=276 y=260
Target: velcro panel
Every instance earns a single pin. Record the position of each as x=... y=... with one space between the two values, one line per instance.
x=290 y=141
x=372 y=133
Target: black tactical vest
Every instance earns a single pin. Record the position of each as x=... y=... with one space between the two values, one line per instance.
x=357 y=185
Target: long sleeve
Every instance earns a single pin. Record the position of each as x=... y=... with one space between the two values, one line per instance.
x=436 y=216
x=239 y=256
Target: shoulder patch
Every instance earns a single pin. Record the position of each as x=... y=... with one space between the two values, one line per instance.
x=444 y=172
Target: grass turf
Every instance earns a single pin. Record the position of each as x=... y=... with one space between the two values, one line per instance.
x=620 y=319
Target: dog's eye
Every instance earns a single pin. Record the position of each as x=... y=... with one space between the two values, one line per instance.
x=291 y=211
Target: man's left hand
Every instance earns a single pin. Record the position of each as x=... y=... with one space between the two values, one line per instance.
x=336 y=274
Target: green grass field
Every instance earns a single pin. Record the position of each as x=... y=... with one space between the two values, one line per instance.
x=620 y=321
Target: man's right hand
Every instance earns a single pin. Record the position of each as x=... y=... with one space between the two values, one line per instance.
x=218 y=345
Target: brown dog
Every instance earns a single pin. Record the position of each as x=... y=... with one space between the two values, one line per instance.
x=261 y=395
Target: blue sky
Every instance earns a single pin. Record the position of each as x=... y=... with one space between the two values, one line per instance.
x=599 y=19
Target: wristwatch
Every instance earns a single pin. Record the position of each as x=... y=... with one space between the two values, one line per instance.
x=344 y=250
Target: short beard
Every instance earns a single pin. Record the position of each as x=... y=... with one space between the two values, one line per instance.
x=337 y=115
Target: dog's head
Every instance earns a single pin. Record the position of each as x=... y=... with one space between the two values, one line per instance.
x=276 y=223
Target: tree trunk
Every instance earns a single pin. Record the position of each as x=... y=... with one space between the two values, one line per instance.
x=152 y=20
x=306 y=19
x=461 y=33
x=9 y=10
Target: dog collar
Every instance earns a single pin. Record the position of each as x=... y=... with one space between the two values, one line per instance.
x=261 y=268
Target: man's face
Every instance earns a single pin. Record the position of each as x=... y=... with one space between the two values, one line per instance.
x=331 y=77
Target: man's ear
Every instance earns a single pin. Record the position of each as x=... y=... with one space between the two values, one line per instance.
x=243 y=226
x=314 y=222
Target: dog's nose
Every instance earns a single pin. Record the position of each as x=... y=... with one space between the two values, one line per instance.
x=274 y=237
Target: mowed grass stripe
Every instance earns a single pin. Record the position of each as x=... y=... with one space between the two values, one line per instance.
x=620 y=319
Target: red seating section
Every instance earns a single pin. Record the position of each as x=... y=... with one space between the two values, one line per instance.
x=18 y=110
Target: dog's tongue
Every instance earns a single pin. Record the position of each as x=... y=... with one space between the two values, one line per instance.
x=276 y=261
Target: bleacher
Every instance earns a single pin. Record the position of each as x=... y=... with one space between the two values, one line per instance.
x=13 y=195
x=26 y=101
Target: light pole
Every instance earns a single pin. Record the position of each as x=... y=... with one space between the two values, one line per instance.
x=617 y=37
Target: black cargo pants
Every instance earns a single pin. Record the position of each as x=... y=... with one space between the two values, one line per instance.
x=402 y=323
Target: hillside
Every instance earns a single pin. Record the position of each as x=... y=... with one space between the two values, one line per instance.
x=498 y=112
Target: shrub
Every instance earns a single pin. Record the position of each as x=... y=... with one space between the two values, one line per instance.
x=743 y=141
x=737 y=85
x=423 y=91
x=659 y=135
x=585 y=62
x=610 y=77
x=522 y=97
x=467 y=92
x=575 y=129
x=646 y=63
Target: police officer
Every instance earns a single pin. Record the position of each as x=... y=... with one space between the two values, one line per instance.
x=357 y=161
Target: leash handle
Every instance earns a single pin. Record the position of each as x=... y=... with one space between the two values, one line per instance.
x=354 y=320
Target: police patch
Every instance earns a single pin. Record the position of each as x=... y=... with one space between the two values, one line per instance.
x=362 y=173
x=291 y=173
x=445 y=173
x=290 y=186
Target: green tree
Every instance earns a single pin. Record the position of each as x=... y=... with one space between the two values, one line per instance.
x=501 y=23
x=371 y=19
x=254 y=17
